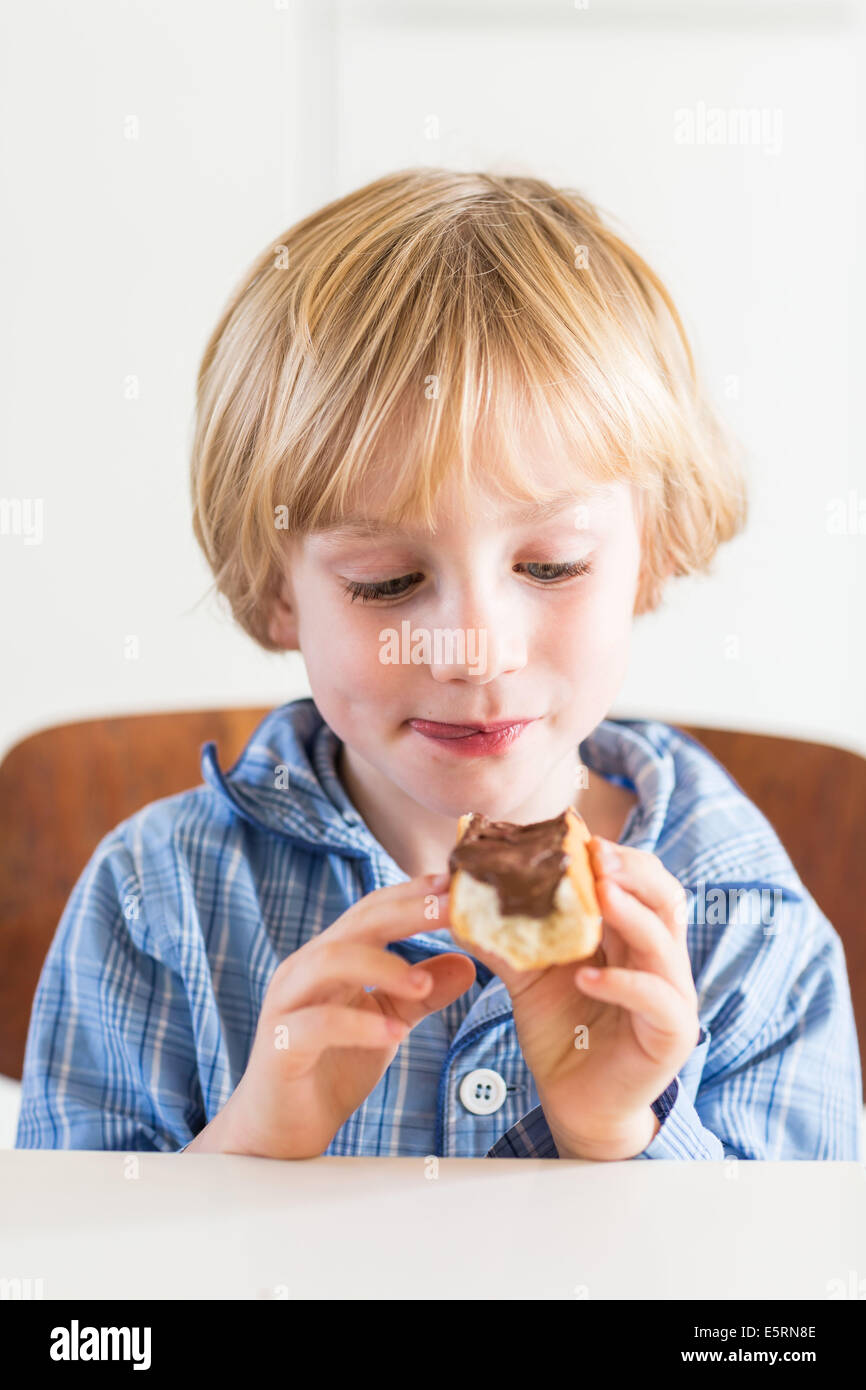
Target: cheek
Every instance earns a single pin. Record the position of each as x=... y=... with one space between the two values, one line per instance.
x=593 y=634
x=341 y=648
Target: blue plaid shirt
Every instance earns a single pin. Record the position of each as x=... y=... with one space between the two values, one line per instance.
x=148 y=1001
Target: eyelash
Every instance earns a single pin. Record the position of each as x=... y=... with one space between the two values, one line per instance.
x=369 y=592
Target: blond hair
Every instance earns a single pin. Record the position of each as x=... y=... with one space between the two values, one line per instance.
x=434 y=308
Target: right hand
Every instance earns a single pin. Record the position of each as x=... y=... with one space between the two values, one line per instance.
x=292 y=1099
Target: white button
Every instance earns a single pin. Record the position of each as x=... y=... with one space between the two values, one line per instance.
x=482 y=1091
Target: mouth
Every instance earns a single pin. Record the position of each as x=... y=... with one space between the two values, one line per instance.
x=433 y=727
x=472 y=739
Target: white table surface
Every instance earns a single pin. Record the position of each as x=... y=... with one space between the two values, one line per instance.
x=174 y=1226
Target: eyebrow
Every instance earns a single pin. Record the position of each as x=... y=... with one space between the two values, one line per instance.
x=370 y=526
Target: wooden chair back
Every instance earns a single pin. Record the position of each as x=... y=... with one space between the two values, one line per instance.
x=64 y=788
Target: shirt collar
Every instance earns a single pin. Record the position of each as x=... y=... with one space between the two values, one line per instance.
x=622 y=753
x=286 y=781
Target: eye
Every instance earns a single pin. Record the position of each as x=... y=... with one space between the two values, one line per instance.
x=567 y=569
x=384 y=588
x=396 y=588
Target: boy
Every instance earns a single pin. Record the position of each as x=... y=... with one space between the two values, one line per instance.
x=450 y=441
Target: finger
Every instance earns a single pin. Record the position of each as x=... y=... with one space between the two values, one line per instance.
x=385 y=915
x=640 y=930
x=309 y=1032
x=644 y=875
x=328 y=964
x=640 y=992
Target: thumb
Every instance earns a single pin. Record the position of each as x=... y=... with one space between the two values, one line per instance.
x=452 y=975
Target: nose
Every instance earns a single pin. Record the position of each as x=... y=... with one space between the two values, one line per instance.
x=486 y=641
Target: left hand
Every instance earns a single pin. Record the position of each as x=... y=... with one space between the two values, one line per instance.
x=641 y=1014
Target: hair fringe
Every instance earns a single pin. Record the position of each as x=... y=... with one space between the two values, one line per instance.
x=420 y=317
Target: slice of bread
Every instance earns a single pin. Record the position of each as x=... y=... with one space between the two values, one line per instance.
x=570 y=932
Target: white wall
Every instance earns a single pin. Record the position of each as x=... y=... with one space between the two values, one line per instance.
x=152 y=150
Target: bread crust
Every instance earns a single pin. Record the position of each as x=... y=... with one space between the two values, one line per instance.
x=566 y=934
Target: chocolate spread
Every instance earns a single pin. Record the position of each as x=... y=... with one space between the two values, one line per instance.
x=524 y=863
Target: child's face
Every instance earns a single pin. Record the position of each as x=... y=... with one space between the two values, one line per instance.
x=511 y=645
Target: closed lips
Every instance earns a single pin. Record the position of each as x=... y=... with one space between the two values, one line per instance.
x=430 y=726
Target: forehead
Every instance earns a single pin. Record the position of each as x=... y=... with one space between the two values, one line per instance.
x=367 y=524
x=562 y=497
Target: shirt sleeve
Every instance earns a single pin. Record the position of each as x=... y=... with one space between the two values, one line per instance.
x=775 y=1074
x=681 y=1133
x=782 y=1077
x=531 y=1137
x=110 y=1060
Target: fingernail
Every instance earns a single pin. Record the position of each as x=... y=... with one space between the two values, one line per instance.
x=440 y=881
x=609 y=858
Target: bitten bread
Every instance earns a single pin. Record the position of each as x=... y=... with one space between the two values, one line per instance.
x=526 y=892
